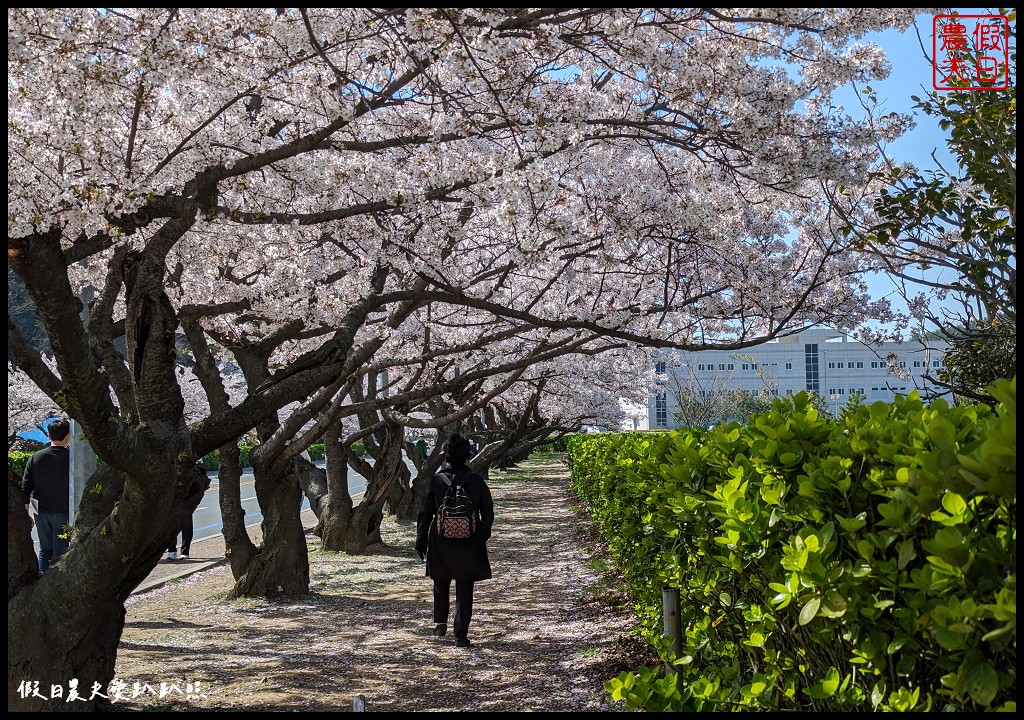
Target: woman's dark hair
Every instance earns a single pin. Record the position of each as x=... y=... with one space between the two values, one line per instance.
x=456 y=450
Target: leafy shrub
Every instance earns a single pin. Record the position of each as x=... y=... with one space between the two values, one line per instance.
x=316 y=454
x=16 y=459
x=868 y=563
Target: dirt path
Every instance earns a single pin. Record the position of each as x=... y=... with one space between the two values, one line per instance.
x=547 y=631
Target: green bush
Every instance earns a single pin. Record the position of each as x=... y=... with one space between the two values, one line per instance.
x=864 y=564
x=16 y=459
x=316 y=454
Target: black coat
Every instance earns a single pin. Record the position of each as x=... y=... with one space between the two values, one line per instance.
x=456 y=559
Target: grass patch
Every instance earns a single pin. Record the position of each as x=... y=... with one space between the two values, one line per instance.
x=597 y=565
x=588 y=651
x=319 y=552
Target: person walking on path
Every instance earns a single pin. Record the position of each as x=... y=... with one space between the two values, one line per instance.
x=463 y=560
x=47 y=480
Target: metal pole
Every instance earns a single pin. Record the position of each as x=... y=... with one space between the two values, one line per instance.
x=673 y=627
x=82 y=466
x=82 y=459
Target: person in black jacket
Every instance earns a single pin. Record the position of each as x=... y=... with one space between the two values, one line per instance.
x=47 y=480
x=464 y=561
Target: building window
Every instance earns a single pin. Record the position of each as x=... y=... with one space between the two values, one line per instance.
x=730 y=366
x=874 y=364
x=811 y=367
x=661 y=411
x=745 y=366
x=860 y=364
x=700 y=366
x=935 y=364
x=903 y=363
x=659 y=368
x=839 y=364
x=789 y=366
x=917 y=363
x=721 y=366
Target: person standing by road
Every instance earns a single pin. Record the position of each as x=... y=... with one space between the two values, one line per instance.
x=186 y=542
x=47 y=480
x=421 y=449
x=463 y=560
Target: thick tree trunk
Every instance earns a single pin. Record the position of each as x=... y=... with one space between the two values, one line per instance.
x=343 y=526
x=336 y=507
x=401 y=503
x=63 y=629
x=47 y=653
x=22 y=565
x=238 y=546
x=356 y=531
x=281 y=567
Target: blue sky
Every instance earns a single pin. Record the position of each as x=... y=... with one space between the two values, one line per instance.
x=911 y=75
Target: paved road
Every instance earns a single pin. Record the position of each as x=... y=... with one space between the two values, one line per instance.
x=206 y=521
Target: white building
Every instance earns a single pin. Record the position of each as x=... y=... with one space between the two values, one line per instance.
x=824 y=361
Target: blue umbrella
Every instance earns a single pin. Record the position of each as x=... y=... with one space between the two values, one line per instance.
x=35 y=435
x=38 y=433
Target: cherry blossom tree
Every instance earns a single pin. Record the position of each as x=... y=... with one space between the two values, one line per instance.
x=27 y=404
x=557 y=398
x=300 y=185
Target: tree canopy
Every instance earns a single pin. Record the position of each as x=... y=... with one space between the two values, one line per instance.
x=377 y=212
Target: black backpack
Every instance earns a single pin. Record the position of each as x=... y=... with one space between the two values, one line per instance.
x=456 y=517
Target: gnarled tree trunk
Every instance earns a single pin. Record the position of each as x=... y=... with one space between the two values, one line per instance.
x=281 y=566
x=65 y=626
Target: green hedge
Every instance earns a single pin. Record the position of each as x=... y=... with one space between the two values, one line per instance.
x=17 y=459
x=861 y=564
x=316 y=454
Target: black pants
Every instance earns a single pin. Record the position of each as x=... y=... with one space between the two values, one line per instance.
x=463 y=604
x=186 y=538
